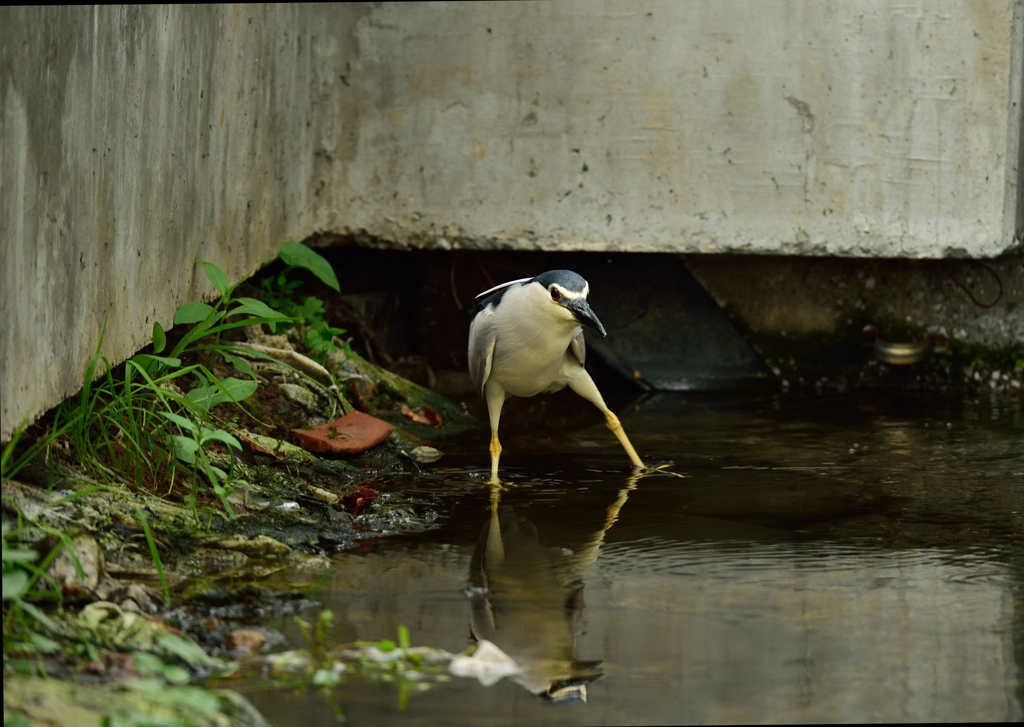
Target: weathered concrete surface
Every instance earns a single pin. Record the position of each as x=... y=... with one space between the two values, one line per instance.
x=134 y=141
x=865 y=129
x=975 y=302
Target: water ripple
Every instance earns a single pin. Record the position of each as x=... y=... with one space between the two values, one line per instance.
x=727 y=558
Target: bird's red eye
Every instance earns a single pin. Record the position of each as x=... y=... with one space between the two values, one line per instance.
x=555 y=295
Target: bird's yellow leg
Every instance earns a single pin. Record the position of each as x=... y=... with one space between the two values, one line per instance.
x=620 y=434
x=495 y=397
x=495 y=456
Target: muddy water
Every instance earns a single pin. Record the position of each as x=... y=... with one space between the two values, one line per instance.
x=825 y=560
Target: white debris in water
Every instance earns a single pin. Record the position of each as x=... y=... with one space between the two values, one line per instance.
x=487 y=663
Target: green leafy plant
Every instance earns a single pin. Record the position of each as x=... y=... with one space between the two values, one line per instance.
x=321 y=637
x=167 y=685
x=21 y=574
x=407 y=662
x=308 y=315
x=136 y=426
x=191 y=448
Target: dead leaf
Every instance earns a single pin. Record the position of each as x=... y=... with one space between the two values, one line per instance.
x=425 y=415
x=432 y=415
x=358 y=500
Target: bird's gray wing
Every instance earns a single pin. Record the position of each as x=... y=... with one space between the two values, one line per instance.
x=481 y=347
x=578 y=346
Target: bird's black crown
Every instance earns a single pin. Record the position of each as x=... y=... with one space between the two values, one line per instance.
x=567 y=279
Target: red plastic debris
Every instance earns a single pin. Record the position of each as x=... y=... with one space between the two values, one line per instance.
x=351 y=434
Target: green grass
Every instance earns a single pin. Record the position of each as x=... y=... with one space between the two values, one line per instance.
x=138 y=426
x=146 y=425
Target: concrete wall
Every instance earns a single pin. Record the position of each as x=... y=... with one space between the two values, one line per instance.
x=864 y=128
x=134 y=141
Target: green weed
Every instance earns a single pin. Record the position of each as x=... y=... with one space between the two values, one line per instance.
x=135 y=427
x=154 y=553
x=21 y=576
x=307 y=315
x=11 y=464
x=321 y=637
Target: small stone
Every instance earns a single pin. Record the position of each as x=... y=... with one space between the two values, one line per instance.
x=365 y=388
x=313 y=563
x=300 y=395
x=89 y=556
x=353 y=433
x=148 y=598
x=425 y=455
x=245 y=640
x=323 y=494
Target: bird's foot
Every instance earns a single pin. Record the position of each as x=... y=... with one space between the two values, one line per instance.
x=659 y=470
x=502 y=486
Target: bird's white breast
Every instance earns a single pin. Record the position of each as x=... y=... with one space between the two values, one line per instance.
x=531 y=345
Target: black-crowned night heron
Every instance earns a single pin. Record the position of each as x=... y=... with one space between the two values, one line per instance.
x=526 y=338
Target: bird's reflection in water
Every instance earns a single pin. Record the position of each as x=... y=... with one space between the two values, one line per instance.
x=527 y=597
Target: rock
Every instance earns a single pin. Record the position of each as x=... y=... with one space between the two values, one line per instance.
x=312 y=563
x=363 y=387
x=276 y=448
x=256 y=546
x=425 y=455
x=89 y=556
x=256 y=334
x=25 y=499
x=245 y=640
x=202 y=561
x=301 y=395
x=353 y=433
x=241 y=498
x=147 y=598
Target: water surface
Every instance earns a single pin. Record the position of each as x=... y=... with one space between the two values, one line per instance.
x=828 y=560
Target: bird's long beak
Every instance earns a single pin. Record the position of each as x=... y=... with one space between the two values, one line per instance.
x=583 y=314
